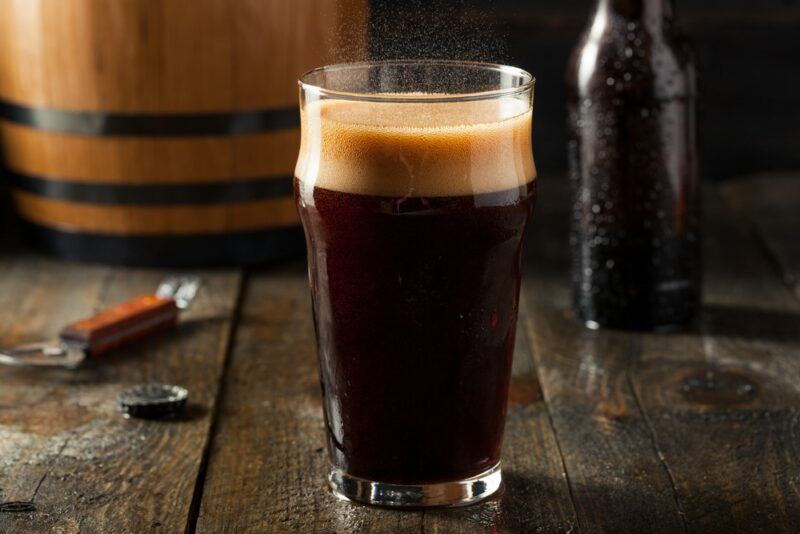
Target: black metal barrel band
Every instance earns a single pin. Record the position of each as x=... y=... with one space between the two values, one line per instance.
x=95 y=123
x=245 y=247
x=217 y=192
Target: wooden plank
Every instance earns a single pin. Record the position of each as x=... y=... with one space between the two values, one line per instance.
x=148 y=161
x=726 y=459
x=617 y=480
x=535 y=496
x=63 y=445
x=722 y=397
x=269 y=457
x=178 y=56
x=159 y=220
x=771 y=204
x=267 y=465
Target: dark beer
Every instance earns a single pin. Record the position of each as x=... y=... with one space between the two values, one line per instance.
x=634 y=237
x=415 y=301
x=414 y=216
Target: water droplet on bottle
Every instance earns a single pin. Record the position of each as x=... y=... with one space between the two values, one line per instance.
x=610 y=81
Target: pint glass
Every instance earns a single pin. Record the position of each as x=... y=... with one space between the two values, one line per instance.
x=414 y=184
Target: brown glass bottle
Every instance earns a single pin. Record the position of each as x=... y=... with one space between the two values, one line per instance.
x=633 y=169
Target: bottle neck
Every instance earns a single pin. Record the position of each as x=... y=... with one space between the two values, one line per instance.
x=652 y=14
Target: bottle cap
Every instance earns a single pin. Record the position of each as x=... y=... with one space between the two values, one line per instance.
x=152 y=401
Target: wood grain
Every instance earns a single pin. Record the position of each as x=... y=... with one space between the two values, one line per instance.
x=701 y=421
x=64 y=446
x=157 y=220
x=722 y=397
x=163 y=57
x=694 y=430
x=768 y=205
x=617 y=480
x=271 y=420
x=268 y=463
x=148 y=161
x=169 y=55
x=535 y=495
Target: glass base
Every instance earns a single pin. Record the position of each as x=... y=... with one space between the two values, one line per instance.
x=456 y=493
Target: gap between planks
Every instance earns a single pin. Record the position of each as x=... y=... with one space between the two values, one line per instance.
x=197 y=497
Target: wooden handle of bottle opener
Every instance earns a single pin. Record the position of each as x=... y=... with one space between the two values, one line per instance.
x=123 y=324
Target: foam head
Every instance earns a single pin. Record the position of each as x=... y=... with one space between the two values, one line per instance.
x=416 y=128
x=401 y=149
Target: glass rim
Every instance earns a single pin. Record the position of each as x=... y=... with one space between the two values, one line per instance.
x=529 y=81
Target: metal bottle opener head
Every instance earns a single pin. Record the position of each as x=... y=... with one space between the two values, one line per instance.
x=44 y=354
x=181 y=289
x=112 y=328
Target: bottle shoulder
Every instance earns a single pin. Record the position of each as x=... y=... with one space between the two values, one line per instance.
x=631 y=60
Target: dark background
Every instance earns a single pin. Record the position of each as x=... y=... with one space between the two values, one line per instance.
x=748 y=56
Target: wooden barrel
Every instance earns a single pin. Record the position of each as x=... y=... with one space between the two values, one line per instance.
x=160 y=132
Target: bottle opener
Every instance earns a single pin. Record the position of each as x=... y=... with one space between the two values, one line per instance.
x=109 y=329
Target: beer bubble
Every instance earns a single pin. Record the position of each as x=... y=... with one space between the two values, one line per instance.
x=436 y=29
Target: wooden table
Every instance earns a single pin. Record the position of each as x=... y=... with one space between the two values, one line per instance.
x=607 y=431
